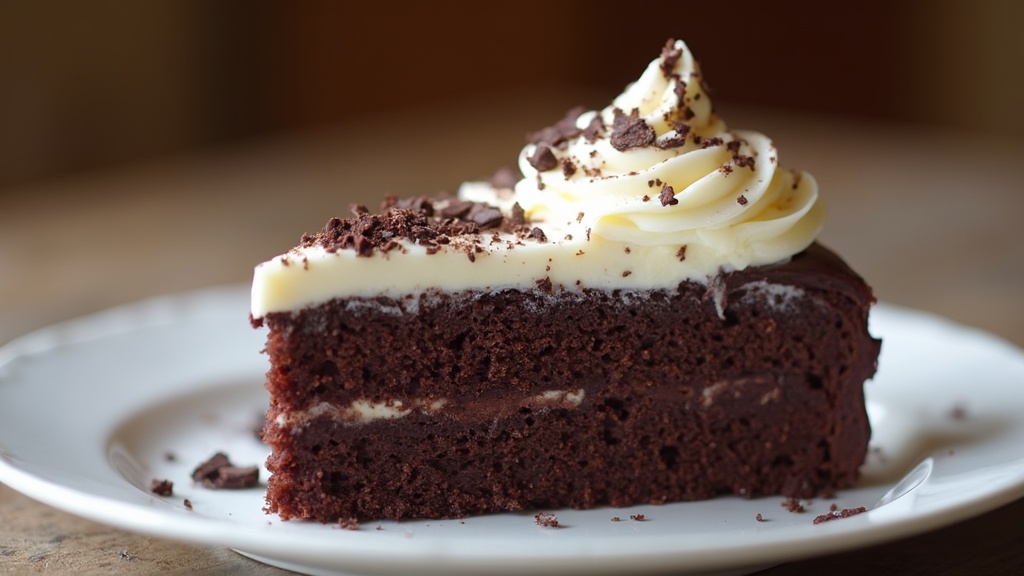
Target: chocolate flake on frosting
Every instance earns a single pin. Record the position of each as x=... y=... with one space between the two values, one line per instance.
x=429 y=222
x=568 y=168
x=543 y=159
x=594 y=130
x=669 y=56
x=668 y=196
x=631 y=131
x=564 y=129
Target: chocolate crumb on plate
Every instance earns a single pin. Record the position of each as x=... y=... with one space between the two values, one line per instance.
x=188 y=504
x=546 y=520
x=793 y=505
x=835 y=515
x=218 y=472
x=348 y=524
x=636 y=517
x=161 y=487
x=759 y=518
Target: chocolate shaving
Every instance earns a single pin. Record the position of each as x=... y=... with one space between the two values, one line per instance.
x=568 y=168
x=538 y=235
x=485 y=216
x=668 y=196
x=594 y=130
x=543 y=159
x=561 y=131
x=161 y=487
x=518 y=215
x=681 y=253
x=669 y=56
x=631 y=131
x=546 y=520
x=218 y=472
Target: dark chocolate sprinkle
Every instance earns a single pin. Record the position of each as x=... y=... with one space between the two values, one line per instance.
x=594 y=130
x=630 y=131
x=668 y=196
x=161 y=487
x=218 y=472
x=568 y=168
x=543 y=159
x=669 y=56
x=561 y=131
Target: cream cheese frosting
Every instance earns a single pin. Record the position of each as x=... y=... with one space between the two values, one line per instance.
x=651 y=191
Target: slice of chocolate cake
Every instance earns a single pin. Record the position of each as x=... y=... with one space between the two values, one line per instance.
x=643 y=317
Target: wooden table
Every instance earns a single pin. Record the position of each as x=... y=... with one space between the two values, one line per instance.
x=931 y=218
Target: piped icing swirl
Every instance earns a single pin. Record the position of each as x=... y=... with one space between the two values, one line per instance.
x=651 y=191
x=658 y=167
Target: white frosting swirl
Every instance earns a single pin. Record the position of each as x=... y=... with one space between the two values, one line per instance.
x=732 y=202
x=656 y=192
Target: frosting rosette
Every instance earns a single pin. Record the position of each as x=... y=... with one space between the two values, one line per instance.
x=658 y=167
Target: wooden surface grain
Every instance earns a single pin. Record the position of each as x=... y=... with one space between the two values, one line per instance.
x=932 y=219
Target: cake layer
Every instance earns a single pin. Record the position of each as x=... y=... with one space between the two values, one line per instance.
x=448 y=405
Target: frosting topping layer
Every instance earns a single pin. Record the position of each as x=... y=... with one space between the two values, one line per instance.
x=646 y=193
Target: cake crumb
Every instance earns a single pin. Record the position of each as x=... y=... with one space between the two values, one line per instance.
x=188 y=504
x=218 y=472
x=835 y=515
x=793 y=505
x=759 y=518
x=161 y=487
x=616 y=519
x=636 y=517
x=668 y=196
x=546 y=520
x=681 y=253
x=348 y=524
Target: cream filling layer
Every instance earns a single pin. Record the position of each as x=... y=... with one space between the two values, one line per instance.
x=363 y=411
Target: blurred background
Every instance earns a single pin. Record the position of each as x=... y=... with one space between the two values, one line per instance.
x=87 y=86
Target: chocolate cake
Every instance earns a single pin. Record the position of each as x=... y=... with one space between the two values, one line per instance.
x=643 y=316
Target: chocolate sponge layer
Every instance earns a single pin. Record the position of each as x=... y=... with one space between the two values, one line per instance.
x=750 y=384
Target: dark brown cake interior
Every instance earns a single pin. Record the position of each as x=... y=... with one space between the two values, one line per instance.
x=750 y=385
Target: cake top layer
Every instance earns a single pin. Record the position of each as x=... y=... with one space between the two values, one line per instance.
x=650 y=191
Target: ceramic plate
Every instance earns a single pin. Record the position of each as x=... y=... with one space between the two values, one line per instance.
x=93 y=410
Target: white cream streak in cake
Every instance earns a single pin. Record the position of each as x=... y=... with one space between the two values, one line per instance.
x=695 y=200
x=363 y=411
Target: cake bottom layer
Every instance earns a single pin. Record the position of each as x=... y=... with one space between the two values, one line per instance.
x=750 y=436
x=473 y=403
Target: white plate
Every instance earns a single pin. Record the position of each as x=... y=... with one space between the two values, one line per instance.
x=90 y=409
